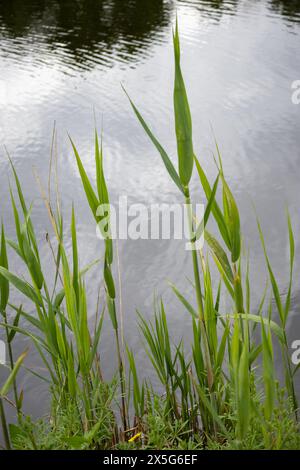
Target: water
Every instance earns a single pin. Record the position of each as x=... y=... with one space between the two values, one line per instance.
x=64 y=62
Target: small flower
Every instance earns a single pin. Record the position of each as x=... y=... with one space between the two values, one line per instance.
x=135 y=437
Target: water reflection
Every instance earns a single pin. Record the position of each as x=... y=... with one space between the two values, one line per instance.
x=287 y=8
x=215 y=9
x=91 y=31
x=84 y=27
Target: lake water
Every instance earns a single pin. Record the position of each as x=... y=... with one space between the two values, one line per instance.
x=64 y=62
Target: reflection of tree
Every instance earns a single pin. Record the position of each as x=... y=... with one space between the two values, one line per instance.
x=81 y=25
x=288 y=8
x=215 y=7
x=86 y=27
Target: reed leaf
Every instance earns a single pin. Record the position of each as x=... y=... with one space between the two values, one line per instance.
x=244 y=399
x=4 y=283
x=220 y=255
x=183 y=120
x=90 y=194
x=268 y=371
x=22 y=286
x=232 y=219
x=279 y=332
x=215 y=209
x=12 y=376
x=184 y=301
x=272 y=278
x=292 y=259
x=165 y=158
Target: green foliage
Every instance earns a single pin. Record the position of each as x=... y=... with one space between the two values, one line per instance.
x=64 y=430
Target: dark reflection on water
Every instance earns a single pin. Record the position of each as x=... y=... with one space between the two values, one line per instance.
x=213 y=8
x=287 y=8
x=85 y=27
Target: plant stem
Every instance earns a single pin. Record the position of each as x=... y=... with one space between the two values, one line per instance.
x=194 y=257
x=4 y=425
x=199 y=290
x=289 y=376
x=11 y=361
x=122 y=381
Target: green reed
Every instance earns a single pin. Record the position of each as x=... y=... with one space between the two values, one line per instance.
x=60 y=329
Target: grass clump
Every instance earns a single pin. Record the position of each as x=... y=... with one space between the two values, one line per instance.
x=221 y=393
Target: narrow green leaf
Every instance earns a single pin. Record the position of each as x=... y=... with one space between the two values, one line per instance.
x=168 y=164
x=109 y=281
x=11 y=378
x=220 y=255
x=215 y=209
x=75 y=255
x=244 y=399
x=184 y=301
x=21 y=285
x=90 y=194
x=222 y=347
x=32 y=263
x=58 y=299
x=101 y=183
x=292 y=259
x=183 y=120
x=16 y=248
x=279 y=332
x=201 y=227
x=112 y=311
x=272 y=278
x=4 y=284
x=25 y=211
x=232 y=219
x=238 y=294
x=72 y=383
x=268 y=371
x=12 y=333
x=96 y=338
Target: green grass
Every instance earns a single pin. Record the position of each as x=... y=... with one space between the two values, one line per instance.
x=221 y=393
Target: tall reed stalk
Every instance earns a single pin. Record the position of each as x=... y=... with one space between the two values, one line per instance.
x=99 y=205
